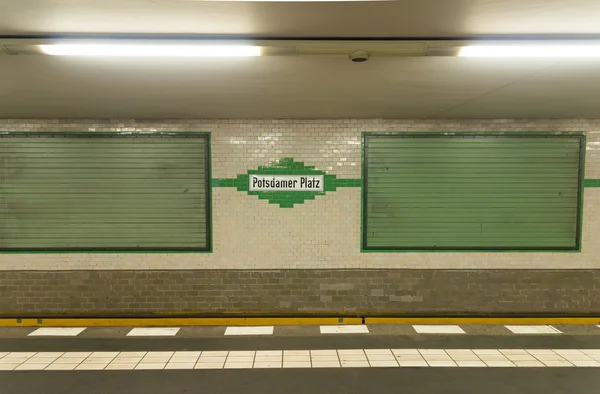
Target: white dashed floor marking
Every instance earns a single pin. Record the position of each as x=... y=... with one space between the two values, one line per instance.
x=438 y=329
x=153 y=332
x=256 y=330
x=57 y=331
x=347 y=329
x=533 y=329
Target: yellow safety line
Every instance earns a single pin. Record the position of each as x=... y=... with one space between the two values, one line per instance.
x=184 y=321
x=482 y=320
x=278 y=321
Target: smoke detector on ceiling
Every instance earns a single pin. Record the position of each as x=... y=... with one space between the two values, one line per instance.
x=359 y=56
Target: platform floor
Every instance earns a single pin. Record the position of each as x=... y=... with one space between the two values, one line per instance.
x=302 y=359
x=300 y=330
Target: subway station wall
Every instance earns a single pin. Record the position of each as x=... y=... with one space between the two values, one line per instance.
x=306 y=258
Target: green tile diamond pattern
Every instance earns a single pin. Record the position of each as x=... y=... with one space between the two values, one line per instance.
x=287 y=199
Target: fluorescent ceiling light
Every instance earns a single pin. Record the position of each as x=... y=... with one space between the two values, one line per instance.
x=289 y=1
x=164 y=50
x=549 y=51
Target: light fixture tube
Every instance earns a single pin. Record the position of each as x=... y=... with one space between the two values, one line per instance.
x=524 y=51
x=163 y=50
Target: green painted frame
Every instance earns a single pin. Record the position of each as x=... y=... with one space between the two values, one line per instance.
x=93 y=134
x=581 y=181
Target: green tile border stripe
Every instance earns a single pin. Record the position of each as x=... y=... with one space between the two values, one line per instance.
x=591 y=183
x=243 y=183
x=347 y=182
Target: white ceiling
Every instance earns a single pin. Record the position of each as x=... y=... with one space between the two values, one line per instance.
x=299 y=87
x=404 y=18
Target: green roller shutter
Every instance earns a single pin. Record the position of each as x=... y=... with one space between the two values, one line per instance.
x=103 y=191
x=472 y=191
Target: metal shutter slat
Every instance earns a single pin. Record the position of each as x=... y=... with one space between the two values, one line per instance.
x=78 y=191
x=458 y=191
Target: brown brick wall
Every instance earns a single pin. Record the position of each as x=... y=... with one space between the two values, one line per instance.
x=304 y=291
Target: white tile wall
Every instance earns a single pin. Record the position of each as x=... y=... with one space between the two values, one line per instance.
x=324 y=233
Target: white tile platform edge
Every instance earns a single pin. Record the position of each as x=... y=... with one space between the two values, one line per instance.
x=153 y=332
x=438 y=329
x=249 y=330
x=57 y=331
x=346 y=329
x=332 y=358
x=528 y=330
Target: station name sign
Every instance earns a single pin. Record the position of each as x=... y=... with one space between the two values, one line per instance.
x=282 y=183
